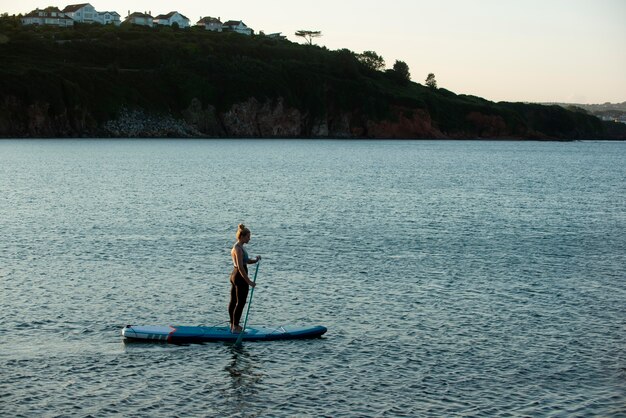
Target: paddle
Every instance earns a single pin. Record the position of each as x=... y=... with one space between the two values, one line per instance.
x=245 y=322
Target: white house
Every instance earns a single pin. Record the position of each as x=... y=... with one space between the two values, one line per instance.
x=210 y=23
x=237 y=26
x=83 y=13
x=109 y=18
x=142 y=19
x=86 y=13
x=172 y=18
x=48 y=16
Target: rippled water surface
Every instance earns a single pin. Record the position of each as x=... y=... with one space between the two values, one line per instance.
x=455 y=278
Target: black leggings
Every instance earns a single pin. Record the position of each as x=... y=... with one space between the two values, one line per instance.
x=238 y=295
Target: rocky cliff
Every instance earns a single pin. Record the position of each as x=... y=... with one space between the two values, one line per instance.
x=248 y=119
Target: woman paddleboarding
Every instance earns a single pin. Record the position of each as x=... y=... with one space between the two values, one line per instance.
x=239 y=281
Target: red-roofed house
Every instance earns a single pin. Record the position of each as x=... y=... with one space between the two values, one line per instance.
x=172 y=18
x=48 y=16
x=210 y=23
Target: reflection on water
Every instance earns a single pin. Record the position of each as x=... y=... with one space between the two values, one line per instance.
x=244 y=375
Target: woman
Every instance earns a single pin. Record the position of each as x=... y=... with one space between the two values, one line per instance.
x=239 y=280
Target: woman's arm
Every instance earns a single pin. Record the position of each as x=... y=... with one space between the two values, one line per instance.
x=254 y=260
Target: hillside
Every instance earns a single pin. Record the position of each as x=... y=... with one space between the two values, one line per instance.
x=596 y=108
x=604 y=111
x=92 y=80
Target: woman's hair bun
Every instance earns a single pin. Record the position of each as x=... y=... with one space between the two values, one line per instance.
x=242 y=230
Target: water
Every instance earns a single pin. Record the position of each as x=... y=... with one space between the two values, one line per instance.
x=456 y=278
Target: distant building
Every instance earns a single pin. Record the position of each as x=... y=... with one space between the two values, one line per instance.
x=277 y=35
x=210 y=23
x=86 y=13
x=48 y=16
x=83 y=13
x=172 y=18
x=237 y=26
x=109 y=18
x=617 y=117
x=141 y=19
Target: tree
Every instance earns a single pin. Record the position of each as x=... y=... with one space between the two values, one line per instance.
x=371 y=60
x=401 y=70
x=308 y=35
x=430 y=81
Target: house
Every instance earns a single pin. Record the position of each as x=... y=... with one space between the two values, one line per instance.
x=83 y=13
x=109 y=18
x=141 y=19
x=171 y=19
x=277 y=35
x=48 y=16
x=210 y=23
x=237 y=26
x=86 y=13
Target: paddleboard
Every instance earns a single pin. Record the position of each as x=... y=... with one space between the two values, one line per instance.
x=183 y=334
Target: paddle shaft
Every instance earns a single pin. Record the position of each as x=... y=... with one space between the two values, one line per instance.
x=245 y=322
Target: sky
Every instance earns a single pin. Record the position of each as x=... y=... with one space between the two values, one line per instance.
x=570 y=51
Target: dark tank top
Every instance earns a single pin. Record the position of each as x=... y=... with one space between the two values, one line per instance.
x=246 y=258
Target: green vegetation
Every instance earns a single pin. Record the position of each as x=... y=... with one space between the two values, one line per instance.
x=93 y=71
x=430 y=81
x=104 y=67
x=401 y=71
x=371 y=60
x=308 y=35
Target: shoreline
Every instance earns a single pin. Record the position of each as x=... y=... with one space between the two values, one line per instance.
x=209 y=138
